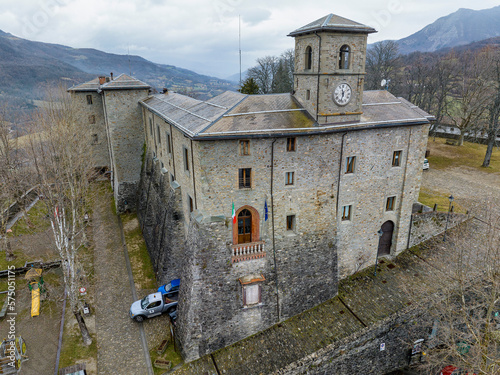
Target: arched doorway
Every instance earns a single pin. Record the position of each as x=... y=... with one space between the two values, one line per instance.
x=385 y=241
x=245 y=226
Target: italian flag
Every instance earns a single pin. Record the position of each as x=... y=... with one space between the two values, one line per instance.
x=233 y=215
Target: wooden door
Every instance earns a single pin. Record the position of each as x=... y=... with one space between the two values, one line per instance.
x=244 y=226
x=385 y=242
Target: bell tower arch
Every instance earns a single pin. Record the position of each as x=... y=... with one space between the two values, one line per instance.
x=330 y=56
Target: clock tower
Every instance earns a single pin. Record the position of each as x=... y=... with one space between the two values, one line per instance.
x=330 y=56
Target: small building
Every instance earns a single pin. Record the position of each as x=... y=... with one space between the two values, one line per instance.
x=261 y=203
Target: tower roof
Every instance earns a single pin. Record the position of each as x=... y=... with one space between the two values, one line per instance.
x=332 y=22
x=122 y=82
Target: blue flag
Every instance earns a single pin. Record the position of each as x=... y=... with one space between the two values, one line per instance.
x=265 y=210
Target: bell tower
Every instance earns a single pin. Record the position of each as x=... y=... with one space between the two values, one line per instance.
x=330 y=56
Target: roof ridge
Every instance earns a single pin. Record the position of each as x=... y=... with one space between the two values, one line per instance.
x=327 y=20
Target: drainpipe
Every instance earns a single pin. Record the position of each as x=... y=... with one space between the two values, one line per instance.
x=319 y=69
x=403 y=191
x=340 y=171
x=274 y=244
x=194 y=178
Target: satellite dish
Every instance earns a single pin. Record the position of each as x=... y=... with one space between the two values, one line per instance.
x=383 y=83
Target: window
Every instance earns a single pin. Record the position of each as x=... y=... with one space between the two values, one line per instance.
x=290 y=144
x=169 y=147
x=152 y=305
x=191 y=206
x=346 y=213
x=89 y=99
x=251 y=294
x=159 y=136
x=389 y=205
x=95 y=139
x=150 y=126
x=92 y=119
x=290 y=222
x=350 y=164
x=309 y=57
x=251 y=288
x=172 y=178
x=245 y=178
x=289 y=178
x=344 y=57
x=308 y=94
x=396 y=158
x=186 y=159
x=245 y=147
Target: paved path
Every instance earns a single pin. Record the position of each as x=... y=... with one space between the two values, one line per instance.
x=119 y=349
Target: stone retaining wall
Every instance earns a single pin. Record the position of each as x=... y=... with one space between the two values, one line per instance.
x=430 y=224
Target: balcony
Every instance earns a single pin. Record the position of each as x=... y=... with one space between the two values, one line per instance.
x=247 y=251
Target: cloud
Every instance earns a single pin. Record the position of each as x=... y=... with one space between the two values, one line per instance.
x=203 y=35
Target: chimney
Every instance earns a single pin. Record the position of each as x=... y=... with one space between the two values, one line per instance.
x=102 y=80
x=111 y=74
x=165 y=90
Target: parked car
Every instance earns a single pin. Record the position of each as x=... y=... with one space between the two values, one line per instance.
x=171 y=289
x=426 y=164
x=152 y=305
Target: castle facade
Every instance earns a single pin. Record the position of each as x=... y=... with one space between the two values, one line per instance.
x=261 y=203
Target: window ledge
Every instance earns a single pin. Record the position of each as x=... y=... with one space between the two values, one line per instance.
x=249 y=307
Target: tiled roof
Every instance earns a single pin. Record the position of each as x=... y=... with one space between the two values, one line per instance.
x=87 y=86
x=233 y=114
x=190 y=115
x=122 y=82
x=333 y=22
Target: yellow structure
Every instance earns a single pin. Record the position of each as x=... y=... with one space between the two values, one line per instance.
x=32 y=275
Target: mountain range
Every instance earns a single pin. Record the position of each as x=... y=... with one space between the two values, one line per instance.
x=27 y=66
x=456 y=29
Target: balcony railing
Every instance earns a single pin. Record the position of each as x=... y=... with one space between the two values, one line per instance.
x=248 y=251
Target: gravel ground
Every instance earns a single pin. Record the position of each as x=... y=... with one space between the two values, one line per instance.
x=469 y=186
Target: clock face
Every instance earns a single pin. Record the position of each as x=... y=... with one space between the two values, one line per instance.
x=342 y=94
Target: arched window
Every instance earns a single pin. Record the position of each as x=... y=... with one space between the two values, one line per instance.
x=344 y=57
x=309 y=58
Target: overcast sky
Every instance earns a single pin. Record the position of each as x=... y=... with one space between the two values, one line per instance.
x=202 y=35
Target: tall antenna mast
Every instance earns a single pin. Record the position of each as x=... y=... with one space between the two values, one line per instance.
x=129 y=66
x=239 y=42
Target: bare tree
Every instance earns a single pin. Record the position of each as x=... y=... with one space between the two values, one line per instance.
x=12 y=179
x=264 y=72
x=493 y=129
x=61 y=157
x=382 y=62
x=464 y=302
x=470 y=93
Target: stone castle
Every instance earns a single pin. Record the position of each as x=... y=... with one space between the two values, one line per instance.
x=262 y=203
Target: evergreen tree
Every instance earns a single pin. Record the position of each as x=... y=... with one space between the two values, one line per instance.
x=249 y=87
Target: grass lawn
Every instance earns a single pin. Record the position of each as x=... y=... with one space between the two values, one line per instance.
x=142 y=268
x=444 y=156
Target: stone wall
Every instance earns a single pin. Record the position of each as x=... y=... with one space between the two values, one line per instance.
x=88 y=113
x=430 y=224
x=162 y=220
x=366 y=190
x=361 y=352
x=126 y=139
